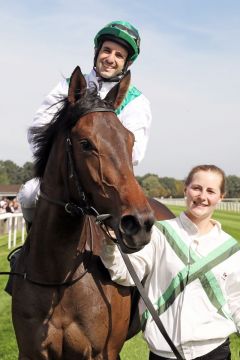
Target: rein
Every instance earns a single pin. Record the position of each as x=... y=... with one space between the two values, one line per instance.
x=42 y=283
x=83 y=209
x=48 y=284
x=146 y=299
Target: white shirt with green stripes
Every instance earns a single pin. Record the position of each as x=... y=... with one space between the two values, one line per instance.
x=192 y=280
x=134 y=112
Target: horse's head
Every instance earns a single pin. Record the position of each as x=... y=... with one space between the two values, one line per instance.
x=102 y=151
x=99 y=156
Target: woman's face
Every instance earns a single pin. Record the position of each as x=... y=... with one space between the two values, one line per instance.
x=203 y=194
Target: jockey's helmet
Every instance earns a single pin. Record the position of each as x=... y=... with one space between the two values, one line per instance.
x=121 y=32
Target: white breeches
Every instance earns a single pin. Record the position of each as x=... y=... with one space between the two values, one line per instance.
x=27 y=196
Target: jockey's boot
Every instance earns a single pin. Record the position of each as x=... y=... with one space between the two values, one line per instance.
x=28 y=226
x=13 y=258
x=13 y=262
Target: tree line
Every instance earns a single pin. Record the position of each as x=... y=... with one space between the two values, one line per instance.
x=152 y=184
x=11 y=173
x=155 y=186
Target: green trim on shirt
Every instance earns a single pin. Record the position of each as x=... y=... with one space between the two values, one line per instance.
x=132 y=94
x=197 y=268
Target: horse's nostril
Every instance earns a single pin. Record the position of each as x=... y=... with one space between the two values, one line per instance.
x=148 y=224
x=130 y=225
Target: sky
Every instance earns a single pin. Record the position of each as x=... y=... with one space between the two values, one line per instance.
x=188 y=68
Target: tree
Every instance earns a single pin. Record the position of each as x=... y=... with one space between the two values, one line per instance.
x=27 y=171
x=3 y=174
x=152 y=186
x=10 y=173
x=175 y=187
x=179 y=186
x=233 y=186
x=13 y=172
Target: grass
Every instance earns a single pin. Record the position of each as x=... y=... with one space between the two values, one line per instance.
x=230 y=220
x=134 y=349
x=8 y=346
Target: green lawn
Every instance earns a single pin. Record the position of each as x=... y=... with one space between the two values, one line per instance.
x=8 y=348
x=230 y=220
x=134 y=349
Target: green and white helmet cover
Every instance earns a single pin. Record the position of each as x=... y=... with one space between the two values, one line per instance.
x=122 y=31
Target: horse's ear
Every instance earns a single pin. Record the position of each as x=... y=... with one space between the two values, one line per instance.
x=118 y=92
x=77 y=85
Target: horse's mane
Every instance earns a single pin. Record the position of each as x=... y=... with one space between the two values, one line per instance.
x=64 y=119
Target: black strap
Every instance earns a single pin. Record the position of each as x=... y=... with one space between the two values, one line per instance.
x=148 y=304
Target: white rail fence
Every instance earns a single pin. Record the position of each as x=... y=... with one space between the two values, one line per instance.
x=12 y=223
x=226 y=204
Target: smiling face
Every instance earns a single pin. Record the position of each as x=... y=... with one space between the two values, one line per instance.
x=111 y=59
x=203 y=193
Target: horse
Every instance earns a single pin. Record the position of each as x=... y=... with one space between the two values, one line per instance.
x=65 y=306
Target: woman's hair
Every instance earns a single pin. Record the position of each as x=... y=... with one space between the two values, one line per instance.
x=212 y=168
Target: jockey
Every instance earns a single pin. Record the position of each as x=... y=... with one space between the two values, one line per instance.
x=117 y=45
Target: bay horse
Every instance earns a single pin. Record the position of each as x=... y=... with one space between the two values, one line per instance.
x=65 y=305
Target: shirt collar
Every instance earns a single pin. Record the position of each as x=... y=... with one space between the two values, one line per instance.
x=192 y=228
x=103 y=87
x=92 y=79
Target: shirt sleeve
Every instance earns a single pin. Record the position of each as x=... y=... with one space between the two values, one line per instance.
x=137 y=117
x=142 y=261
x=49 y=107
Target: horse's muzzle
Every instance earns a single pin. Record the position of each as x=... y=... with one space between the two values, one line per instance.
x=136 y=232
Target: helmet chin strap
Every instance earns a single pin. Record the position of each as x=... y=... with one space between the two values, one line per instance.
x=114 y=78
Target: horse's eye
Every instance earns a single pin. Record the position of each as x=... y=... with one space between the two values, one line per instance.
x=86 y=145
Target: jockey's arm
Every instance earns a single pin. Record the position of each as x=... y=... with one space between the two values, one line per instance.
x=137 y=117
x=50 y=105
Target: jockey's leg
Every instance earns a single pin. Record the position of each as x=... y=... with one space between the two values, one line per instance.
x=13 y=262
x=27 y=198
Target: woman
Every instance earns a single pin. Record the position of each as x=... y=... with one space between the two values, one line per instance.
x=192 y=275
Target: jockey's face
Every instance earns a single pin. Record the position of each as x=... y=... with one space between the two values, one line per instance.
x=111 y=59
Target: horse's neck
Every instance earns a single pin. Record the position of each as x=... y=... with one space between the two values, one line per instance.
x=55 y=241
x=55 y=236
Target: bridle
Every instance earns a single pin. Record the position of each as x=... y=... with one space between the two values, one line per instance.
x=81 y=209
x=71 y=208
